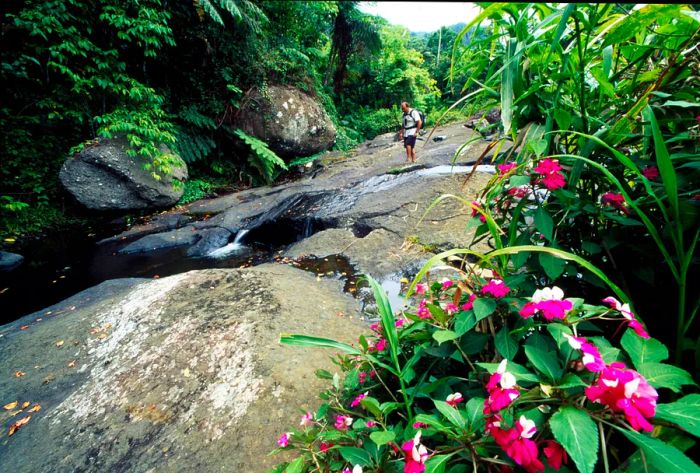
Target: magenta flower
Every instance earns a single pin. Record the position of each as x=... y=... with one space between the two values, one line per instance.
x=518 y=192
x=454 y=399
x=495 y=288
x=363 y=377
x=554 y=181
x=342 y=422
x=470 y=303
x=415 y=455
x=555 y=453
x=591 y=358
x=650 y=172
x=624 y=390
x=399 y=323
x=518 y=445
x=505 y=168
x=547 y=166
x=552 y=178
x=324 y=447
x=371 y=423
x=624 y=309
x=376 y=327
x=356 y=402
x=614 y=200
x=423 y=311
x=283 y=441
x=501 y=388
x=549 y=302
x=447 y=283
x=451 y=308
x=475 y=212
x=418 y=425
x=307 y=419
x=381 y=344
x=421 y=288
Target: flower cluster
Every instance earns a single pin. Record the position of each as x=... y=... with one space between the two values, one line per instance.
x=415 y=455
x=549 y=302
x=616 y=201
x=624 y=309
x=551 y=175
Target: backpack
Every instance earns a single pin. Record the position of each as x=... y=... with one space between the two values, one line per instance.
x=420 y=114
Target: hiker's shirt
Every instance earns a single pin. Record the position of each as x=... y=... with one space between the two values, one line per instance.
x=410 y=122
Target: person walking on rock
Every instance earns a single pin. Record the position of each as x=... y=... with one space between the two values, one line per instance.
x=411 y=126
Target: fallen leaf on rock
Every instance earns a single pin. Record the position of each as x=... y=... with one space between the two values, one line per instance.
x=71 y=364
x=404 y=281
x=59 y=343
x=49 y=378
x=25 y=404
x=10 y=406
x=14 y=427
x=3 y=290
x=35 y=408
x=24 y=327
x=14 y=413
x=19 y=374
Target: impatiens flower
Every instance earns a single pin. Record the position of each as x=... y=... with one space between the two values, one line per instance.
x=554 y=181
x=470 y=303
x=421 y=288
x=418 y=425
x=363 y=377
x=399 y=323
x=307 y=419
x=551 y=177
x=518 y=192
x=356 y=402
x=342 y=422
x=376 y=327
x=504 y=168
x=356 y=469
x=324 y=447
x=415 y=455
x=447 y=283
x=423 y=311
x=454 y=399
x=650 y=172
x=450 y=308
x=555 y=453
x=614 y=200
x=549 y=302
x=475 y=212
x=591 y=356
x=283 y=441
x=624 y=309
x=624 y=390
x=381 y=344
x=547 y=166
x=518 y=445
x=371 y=423
x=501 y=388
x=496 y=288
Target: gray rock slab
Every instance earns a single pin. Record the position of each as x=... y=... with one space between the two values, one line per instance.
x=9 y=261
x=180 y=237
x=183 y=373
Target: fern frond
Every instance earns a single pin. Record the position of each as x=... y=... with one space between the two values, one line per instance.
x=261 y=157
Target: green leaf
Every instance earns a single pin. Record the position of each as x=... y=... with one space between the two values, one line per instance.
x=356 y=456
x=295 y=466
x=475 y=413
x=544 y=223
x=663 y=162
x=643 y=351
x=464 y=322
x=505 y=344
x=437 y=463
x=577 y=433
x=452 y=414
x=518 y=181
x=444 y=335
x=680 y=103
x=685 y=412
x=545 y=362
x=382 y=437
x=570 y=380
x=372 y=405
x=662 y=455
x=660 y=375
x=552 y=265
x=520 y=372
x=484 y=307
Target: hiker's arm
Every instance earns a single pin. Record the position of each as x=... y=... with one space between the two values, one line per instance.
x=419 y=125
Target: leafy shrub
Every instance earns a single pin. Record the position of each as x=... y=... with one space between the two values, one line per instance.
x=196 y=189
x=487 y=374
x=261 y=158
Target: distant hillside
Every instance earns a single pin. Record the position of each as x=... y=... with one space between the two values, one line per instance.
x=457 y=27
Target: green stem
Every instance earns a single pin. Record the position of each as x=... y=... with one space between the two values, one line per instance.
x=603 y=447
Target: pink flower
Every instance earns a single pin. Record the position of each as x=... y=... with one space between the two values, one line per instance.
x=454 y=399
x=381 y=344
x=554 y=181
x=496 y=288
x=418 y=425
x=614 y=200
x=356 y=469
x=555 y=453
x=399 y=323
x=415 y=455
x=307 y=419
x=624 y=309
x=283 y=441
x=371 y=423
x=475 y=212
x=504 y=168
x=356 y=402
x=591 y=356
x=518 y=192
x=324 y=447
x=450 y=308
x=447 y=283
x=363 y=377
x=549 y=302
x=624 y=390
x=501 y=388
x=342 y=422
x=376 y=327
x=470 y=303
x=548 y=166
x=517 y=444
x=421 y=288
x=423 y=311
x=650 y=172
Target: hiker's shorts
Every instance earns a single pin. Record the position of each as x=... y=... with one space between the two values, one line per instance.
x=409 y=141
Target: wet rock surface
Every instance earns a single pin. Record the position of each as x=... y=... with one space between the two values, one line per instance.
x=183 y=373
x=9 y=261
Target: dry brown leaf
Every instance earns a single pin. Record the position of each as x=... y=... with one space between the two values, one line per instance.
x=18 y=424
x=59 y=343
x=19 y=374
x=71 y=364
x=24 y=327
x=10 y=406
x=25 y=404
x=14 y=413
x=35 y=408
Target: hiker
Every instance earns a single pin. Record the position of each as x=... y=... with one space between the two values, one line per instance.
x=411 y=126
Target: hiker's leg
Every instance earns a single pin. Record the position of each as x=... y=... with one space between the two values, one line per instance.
x=413 y=152
x=409 y=152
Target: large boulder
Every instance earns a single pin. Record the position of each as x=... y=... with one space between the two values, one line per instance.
x=103 y=177
x=183 y=373
x=291 y=122
x=9 y=261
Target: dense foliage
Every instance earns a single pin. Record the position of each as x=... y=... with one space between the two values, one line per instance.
x=594 y=224
x=175 y=73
